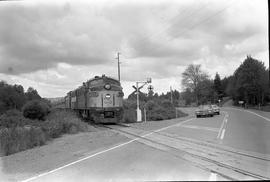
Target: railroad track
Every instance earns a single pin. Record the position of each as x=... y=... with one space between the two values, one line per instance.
x=229 y=163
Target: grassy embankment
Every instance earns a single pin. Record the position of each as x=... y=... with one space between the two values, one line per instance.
x=18 y=133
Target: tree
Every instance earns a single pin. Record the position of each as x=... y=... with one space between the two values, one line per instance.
x=249 y=82
x=11 y=97
x=218 y=86
x=32 y=94
x=224 y=84
x=192 y=76
x=188 y=96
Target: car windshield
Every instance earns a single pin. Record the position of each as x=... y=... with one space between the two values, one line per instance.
x=134 y=90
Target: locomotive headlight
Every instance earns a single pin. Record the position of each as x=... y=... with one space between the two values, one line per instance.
x=107 y=86
x=107 y=96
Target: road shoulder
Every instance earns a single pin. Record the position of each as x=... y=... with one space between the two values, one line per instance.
x=58 y=152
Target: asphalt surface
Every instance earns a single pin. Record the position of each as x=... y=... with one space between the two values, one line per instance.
x=134 y=160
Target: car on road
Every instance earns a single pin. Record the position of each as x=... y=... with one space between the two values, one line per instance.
x=216 y=109
x=204 y=110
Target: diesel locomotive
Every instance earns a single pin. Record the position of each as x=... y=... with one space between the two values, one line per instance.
x=99 y=99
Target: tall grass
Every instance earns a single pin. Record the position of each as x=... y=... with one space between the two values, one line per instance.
x=24 y=133
x=17 y=139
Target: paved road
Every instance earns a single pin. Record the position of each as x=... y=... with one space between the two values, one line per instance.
x=140 y=159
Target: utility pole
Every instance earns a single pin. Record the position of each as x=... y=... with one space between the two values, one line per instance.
x=268 y=47
x=118 y=65
x=171 y=95
x=139 y=115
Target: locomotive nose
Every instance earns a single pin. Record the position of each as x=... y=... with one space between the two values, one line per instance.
x=108 y=100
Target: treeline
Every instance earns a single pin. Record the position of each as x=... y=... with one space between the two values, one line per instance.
x=249 y=84
x=14 y=96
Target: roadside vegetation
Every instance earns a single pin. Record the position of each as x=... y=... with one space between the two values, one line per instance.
x=157 y=107
x=249 y=83
x=27 y=120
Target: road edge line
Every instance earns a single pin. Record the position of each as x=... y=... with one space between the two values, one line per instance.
x=101 y=152
x=267 y=119
x=222 y=125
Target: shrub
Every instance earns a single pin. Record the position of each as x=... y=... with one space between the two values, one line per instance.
x=35 y=109
x=129 y=115
x=61 y=122
x=157 y=113
x=167 y=104
x=150 y=105
x=128 y=104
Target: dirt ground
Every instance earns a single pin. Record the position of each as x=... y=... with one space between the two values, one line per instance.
x=56 y=153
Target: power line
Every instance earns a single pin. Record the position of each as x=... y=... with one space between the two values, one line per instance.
x=174 y=22
x=202 y=21
x=196 y=24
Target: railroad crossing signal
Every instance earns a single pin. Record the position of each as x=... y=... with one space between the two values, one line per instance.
x=150 y=88
x=136 y=88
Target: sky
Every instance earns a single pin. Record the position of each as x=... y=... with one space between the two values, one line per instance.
x=55 y=46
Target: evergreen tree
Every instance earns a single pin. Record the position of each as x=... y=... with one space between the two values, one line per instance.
x=217 y=86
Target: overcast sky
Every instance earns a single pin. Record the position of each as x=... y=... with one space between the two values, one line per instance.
x=54 y=47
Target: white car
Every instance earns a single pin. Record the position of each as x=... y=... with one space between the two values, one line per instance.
x=216 y=109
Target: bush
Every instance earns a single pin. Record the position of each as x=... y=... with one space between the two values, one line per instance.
x=129 y=116
x=157 y=113
x=61 y=122
x=167 y=104
x=35 y=109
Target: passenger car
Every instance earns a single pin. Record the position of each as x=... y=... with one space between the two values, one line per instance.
x=216 y=109
x=204 y=110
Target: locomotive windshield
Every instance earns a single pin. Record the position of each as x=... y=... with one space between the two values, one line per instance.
x=103 y=81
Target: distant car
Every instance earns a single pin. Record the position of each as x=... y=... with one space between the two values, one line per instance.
x=216 y=109
x=204 y=110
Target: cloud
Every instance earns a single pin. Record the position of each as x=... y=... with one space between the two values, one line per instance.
x=44 y=35
x=60 y=45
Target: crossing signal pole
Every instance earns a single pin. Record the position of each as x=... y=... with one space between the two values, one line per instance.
x=137 y=90
x=118 y=65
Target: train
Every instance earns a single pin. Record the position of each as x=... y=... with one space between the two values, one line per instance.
x=99 y=99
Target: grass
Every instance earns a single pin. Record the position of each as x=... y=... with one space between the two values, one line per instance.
x=17 y=139
x=24 y=134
